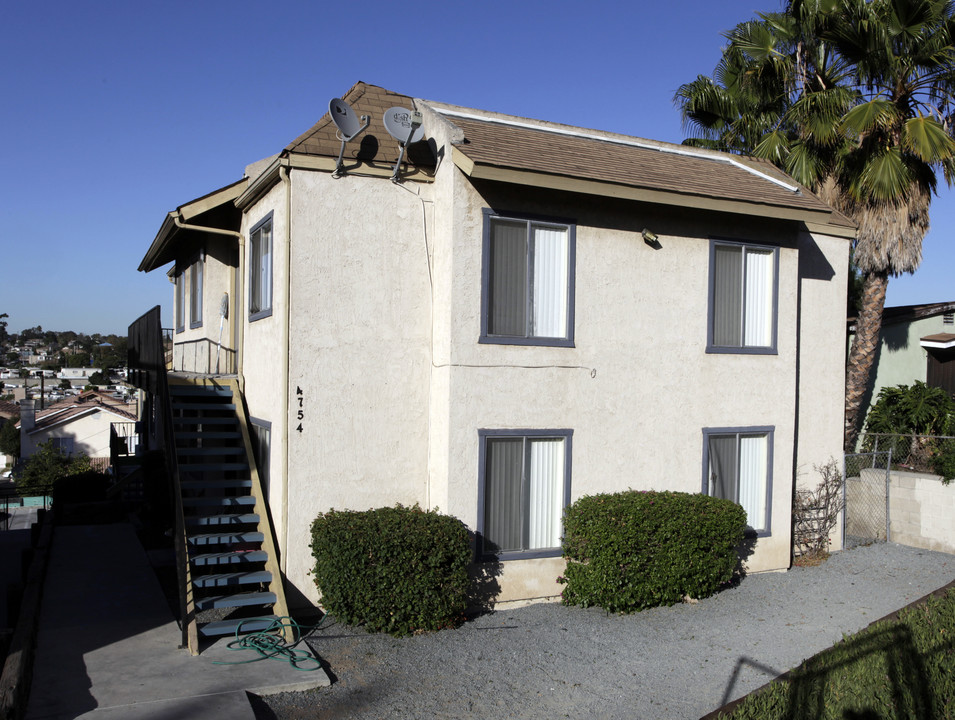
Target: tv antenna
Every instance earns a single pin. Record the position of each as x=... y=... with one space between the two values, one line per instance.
x=348 y=127
x=405 y=127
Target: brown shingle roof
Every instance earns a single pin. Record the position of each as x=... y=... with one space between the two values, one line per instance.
x=9 y=410
x=374 y=145
x=517 y=144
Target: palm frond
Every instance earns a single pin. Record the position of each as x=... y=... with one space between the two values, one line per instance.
x=868 y=116
x=927 y=139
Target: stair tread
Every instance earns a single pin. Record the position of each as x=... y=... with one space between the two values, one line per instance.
x=236 y=600
x=201 y=467
x=208 y=520
x=211 y=450
x=229 y=627
x=212 y=484
x=177 y=405
x=220 y=538
x=219 y=501
x=232 y=578
x=198 y=390
x=206 y=420
x=236 y=557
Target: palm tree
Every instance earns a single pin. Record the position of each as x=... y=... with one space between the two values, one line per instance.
x=854 y=99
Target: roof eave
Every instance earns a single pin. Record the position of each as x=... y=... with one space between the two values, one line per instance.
x=818 y=218
x=161 y=247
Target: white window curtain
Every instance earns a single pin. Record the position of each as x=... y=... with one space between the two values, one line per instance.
x=550 y=282
x=753 y=456
x=546 y=484
x=759 y=298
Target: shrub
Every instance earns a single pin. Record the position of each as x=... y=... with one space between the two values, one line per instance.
x=944 y=461
x=397 y=570
x=633 y=550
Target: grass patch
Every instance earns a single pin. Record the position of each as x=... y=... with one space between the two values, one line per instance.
x=894 y=669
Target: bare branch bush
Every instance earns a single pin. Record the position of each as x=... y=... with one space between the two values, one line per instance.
x=816 y=515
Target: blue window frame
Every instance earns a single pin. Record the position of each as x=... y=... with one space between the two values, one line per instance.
x=260 y=269
x=523 y=488
x=527 y=280
x=738 y=466
x=743 y=298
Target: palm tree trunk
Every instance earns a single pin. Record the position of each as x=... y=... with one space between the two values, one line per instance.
x=863 y=350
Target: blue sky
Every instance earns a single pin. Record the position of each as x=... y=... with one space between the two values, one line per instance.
x=118 y=112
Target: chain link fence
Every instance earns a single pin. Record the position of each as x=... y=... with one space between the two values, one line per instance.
x=917 y=453
x=866 y=488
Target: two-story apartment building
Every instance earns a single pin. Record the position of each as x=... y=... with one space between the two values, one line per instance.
x=525 y=313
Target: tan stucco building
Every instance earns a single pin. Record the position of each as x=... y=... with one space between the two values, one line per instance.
x=526 y=314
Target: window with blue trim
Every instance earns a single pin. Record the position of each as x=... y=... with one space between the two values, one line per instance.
x=737 y=466
x=524 y=488
x=260 y=269
x=528 y=281
x=743 y=298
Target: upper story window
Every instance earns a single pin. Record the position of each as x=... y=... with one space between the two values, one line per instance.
x=737 y=466
x=527 y=281
x=180 y=302
x=260 y=269
x=744 y=281
x=195 y=293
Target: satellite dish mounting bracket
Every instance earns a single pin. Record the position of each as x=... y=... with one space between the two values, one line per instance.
x=348 y=129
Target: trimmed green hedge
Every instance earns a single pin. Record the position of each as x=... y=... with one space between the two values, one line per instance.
x=397 y=570
x=633 y=550
x=902 y=668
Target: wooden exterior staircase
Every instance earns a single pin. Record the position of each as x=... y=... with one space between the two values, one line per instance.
x=226 y=553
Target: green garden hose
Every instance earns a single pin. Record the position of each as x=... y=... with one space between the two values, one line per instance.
x=270 y=644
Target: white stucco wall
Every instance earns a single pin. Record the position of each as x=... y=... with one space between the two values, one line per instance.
x=394 y=385
x=359 y=359
x=263 y=355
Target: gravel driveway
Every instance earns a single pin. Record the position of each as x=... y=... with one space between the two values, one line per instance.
x=549 y=661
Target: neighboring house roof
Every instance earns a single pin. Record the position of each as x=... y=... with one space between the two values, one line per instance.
x=907 y=313
x=941 y=341
x=9 y=410
x=81 y=405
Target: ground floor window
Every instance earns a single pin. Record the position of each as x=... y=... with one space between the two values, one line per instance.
x=737 y=466
x=524 y=488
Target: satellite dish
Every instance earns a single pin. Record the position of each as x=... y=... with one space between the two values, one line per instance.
x=405 y=127
x=401 y=125
x=348 y=126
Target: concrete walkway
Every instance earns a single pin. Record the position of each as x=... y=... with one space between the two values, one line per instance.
x=108 y=646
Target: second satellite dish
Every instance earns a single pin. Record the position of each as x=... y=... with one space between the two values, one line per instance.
x=405 y=127
x=348 y=126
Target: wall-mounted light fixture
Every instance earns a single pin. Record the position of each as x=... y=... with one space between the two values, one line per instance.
x=649 y=237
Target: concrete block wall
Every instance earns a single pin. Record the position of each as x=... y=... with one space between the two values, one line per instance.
x=922 y=511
